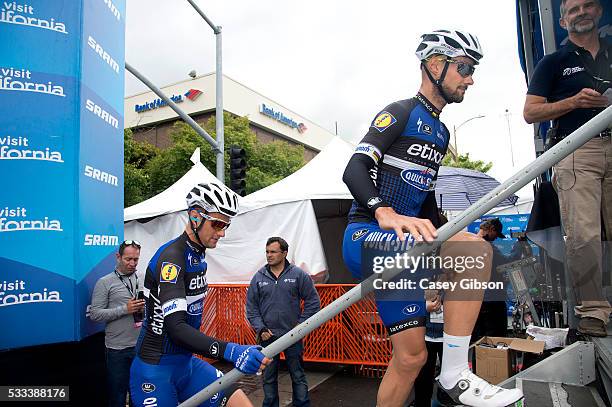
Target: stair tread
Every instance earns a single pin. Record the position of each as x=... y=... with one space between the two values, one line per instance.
x=541 y=394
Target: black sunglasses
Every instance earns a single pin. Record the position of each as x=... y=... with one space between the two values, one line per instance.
x=463 y=68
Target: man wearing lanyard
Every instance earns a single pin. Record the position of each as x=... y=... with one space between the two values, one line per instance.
x=115 y=302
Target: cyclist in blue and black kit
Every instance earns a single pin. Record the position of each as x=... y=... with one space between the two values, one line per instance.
x=164 y=371
x=392 y=175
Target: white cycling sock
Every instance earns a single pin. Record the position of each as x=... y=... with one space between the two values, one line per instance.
x=454 y=359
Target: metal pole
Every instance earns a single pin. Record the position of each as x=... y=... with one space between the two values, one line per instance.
x=219 y=112
x=527 y=37
x=174 y=107
x=483 y=205
x=548 y=26
x=219 y=95
x=215 y=28
x=510 y=136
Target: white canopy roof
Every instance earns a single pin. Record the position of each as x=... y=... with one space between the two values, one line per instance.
x=173 y=198
x=321 y=178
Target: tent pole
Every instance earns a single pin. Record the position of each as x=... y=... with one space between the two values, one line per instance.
x=521 y=178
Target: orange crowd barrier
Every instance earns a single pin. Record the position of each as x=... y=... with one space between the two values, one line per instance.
x=355 y=336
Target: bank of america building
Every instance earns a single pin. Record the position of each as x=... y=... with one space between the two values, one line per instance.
x=151 y=120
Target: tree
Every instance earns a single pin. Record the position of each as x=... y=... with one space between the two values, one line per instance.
x=136 y=180
x=463 y=161
x=266 y=163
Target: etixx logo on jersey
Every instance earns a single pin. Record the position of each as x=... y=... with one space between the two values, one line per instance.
x=383 y=121
x=169 y=273
x=411 y=309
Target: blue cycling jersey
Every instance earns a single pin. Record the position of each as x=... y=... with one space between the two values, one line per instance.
x=396 y=164
x=406 y=143
x=176 y=284
x=164 y=371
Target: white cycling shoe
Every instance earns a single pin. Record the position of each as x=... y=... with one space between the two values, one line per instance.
x=474 y=391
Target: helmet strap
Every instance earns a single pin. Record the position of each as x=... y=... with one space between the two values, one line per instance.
x=438 y=82
x=195 y=228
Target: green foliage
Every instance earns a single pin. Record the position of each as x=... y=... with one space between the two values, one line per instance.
x=135 y=185
x=463 y=161
x=136 y=180
x=135 y=153
x=149 y=170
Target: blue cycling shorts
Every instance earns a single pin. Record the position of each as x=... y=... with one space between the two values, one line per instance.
x=175 y=379
x=399 y=308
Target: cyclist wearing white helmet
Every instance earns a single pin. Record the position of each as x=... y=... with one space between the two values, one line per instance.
x=164 y=371
x=451 y=47
x=392 y=176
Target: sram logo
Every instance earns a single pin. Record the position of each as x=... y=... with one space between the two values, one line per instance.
x=101 y=240
x=102 y=176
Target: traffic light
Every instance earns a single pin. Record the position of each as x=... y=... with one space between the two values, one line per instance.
x=238 y=170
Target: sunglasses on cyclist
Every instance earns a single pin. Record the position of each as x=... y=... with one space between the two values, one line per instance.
x=463 y=68
x=216 y=223
x=126 y=243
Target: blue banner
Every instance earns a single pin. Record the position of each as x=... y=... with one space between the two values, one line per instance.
x=61 y=156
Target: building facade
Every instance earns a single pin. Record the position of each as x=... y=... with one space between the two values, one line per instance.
x=151 y=119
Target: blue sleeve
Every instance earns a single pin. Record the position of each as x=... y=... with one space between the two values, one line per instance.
x=252 y=306
x=309 y=294
x=543 y=78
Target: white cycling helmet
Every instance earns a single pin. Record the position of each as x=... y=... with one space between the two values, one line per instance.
x=213 y=197
x=452 y=43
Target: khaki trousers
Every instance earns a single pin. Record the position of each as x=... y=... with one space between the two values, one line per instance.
x=583 y=181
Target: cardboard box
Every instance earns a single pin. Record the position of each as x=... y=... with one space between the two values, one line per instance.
x=494 y=356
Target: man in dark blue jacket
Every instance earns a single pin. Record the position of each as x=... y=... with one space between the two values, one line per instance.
x=273 y=309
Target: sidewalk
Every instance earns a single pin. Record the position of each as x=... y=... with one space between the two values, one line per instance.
x=328 y=386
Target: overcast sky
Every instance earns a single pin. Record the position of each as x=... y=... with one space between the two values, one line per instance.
x=342 y=61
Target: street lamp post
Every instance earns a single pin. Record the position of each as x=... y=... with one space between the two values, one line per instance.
x=455 y=128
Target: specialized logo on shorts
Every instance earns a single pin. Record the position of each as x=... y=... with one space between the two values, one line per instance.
x=420 y=179
x=214 y=349
x=148 y=387
x=383 y=121
x=411 y=309
x=169 y=273
x=359 y=234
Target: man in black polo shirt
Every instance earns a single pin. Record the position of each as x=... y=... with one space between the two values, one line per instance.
x=568 y=87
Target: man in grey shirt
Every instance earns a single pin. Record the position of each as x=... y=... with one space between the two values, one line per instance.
x=115 y=302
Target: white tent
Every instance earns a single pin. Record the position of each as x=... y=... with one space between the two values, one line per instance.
x=282 y=209
x=308 y=209
x=321 y=178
